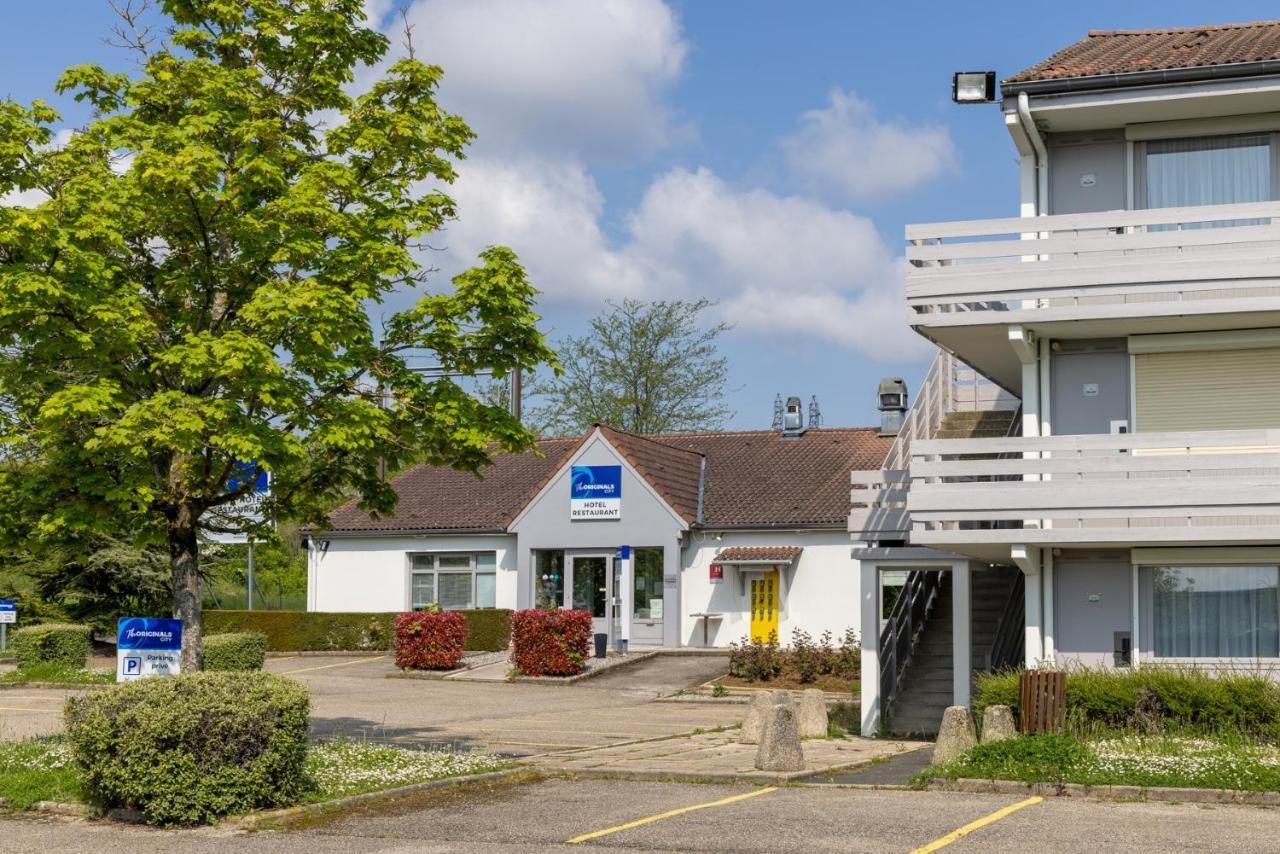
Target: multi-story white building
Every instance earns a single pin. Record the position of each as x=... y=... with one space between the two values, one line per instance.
x=1132 y=312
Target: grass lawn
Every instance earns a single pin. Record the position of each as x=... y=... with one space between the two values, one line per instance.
x=42 y=769
x=791 y=682
x=1198 y=762
x=59 y=673
x=39 y=769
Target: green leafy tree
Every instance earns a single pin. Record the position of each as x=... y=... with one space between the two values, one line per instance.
x=648 y=367
x=194 y=290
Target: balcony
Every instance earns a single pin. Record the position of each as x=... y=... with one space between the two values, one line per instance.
x=1092 y=275
x=977 y=495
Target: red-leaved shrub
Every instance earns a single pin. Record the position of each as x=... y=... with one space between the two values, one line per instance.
x=430 y=641
x=550 y=643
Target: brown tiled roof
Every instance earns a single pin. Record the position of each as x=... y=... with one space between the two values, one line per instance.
x=1106 y=52
x=753 y=477
x=437 y=498
x=781 y=554
x=674 y=472
x=759 y=477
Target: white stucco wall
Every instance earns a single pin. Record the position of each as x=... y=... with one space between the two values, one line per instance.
x=372 y=573
x=820 y=589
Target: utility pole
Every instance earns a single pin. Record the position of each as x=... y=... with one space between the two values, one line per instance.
x=249 y=582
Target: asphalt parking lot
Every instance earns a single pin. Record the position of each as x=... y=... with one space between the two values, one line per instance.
x=565 y=815
x=352 y=697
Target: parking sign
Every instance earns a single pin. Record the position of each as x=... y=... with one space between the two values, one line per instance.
x=148 y=646
x=8 y=611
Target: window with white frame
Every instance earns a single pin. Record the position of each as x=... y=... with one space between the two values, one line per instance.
x=1216 y=611
x=456 y=581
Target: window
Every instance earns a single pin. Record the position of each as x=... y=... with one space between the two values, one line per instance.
x=548 y=578
x=648 y=584
x=1216 y=611
x=1215 y=170
x=454 y=581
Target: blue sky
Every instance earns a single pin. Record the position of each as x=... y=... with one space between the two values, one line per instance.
x=764 y=154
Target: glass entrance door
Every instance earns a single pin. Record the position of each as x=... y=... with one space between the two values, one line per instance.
x=592 y=588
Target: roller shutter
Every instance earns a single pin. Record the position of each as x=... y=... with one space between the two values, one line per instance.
x=1208 y=390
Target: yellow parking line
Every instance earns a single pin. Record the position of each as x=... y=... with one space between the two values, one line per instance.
x=960 y=833
x=327 y=666
x=669 y=814
x=21 y=709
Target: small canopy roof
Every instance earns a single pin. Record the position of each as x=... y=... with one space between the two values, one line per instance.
x=758 y=554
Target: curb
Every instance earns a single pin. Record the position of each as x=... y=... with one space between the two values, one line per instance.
x=253 y=821
x=754 y=778
x=630 y=659
x=1108 y=792
x=89 y=686
x=71 y=808
x=326 y=653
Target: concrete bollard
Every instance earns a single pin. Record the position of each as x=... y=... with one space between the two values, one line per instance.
x=955 y=736
x=813 y=714
x=780 y=741
x=997 y=724
x=753 y=722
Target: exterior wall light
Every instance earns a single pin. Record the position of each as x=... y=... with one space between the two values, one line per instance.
x=973 y=87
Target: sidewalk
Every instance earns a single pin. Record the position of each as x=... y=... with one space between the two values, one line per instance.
x=715 y=755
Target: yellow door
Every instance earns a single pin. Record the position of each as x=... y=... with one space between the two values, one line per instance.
x=764 y=608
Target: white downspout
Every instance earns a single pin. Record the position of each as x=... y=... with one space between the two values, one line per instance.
x=1041 y=153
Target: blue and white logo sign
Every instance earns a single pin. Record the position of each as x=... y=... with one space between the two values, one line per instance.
x=148 y=646
x=8 y=611
x=595 y=492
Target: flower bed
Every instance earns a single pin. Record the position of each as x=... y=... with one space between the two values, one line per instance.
x=806 y=663
x=426 y=640
x=550 y=643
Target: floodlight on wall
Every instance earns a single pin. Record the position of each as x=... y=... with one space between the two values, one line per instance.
x=973 y=87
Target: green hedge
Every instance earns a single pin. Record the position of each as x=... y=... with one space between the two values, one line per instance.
x=192 y=748
x=63 y=644
x=299 y=631
x=235 y=651
x=1182 y=698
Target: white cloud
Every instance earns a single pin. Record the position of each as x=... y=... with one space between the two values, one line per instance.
x=582 y=76
x=777 y=265
x=845 y=149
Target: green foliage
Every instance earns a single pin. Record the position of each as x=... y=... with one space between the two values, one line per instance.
x=60 y=674
x=197 y=288
x=279 y=571
x=1046 y=757
x=61 y=644
x=1154 y=699
x=38 y=769
x=97 y=579
x=192 y=748
x=647 y=367
x=240 y=651
x=807 y=660
x=300 y=631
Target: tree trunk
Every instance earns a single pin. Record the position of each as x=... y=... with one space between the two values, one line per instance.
x=184 y=562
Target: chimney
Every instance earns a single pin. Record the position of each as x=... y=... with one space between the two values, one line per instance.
x=793 y=418
x=891 y=400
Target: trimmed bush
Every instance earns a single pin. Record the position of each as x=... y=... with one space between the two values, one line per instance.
x=240 y=651
x=430 y=640
x=61 y=644
x=1153 y=698
x=189 y=749
x=299 y=631
x=551 y=643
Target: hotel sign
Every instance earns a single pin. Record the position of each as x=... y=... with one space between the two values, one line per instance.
x=595 y=492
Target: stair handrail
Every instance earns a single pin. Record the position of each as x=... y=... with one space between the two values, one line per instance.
x=900 y=634
x=1009 y=642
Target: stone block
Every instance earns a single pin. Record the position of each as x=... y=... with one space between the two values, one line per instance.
x=780 y=741
x=813 y=714
x=997 y=724
x=955 y=736
x=753 y=722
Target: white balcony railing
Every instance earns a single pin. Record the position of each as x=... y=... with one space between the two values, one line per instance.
x=1220 y=486
x=1168 y=261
